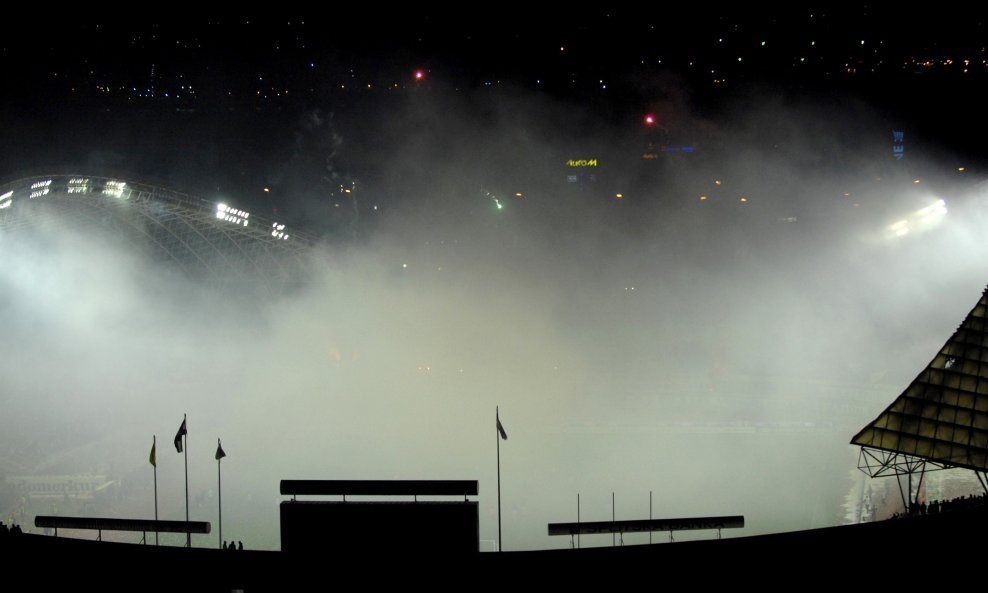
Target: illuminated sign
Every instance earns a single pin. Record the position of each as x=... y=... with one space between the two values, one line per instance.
x=80 y=486
x=581 y=163
x=655 y=155
x=898 y=148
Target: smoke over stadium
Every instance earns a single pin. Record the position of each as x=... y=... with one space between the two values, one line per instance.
x=703 y=305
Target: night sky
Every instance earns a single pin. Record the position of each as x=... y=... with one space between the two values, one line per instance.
x=244 y=86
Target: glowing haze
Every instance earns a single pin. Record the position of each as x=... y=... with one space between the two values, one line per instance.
x=717 y=352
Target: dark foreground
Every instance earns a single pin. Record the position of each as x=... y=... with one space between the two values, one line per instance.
x=934 y=549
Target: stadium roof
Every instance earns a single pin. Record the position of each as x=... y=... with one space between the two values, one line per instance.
x=942 y=416
x=216 y=241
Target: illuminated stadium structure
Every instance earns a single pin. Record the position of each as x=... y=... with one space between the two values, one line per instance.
x=940 y=420
x=215 y=242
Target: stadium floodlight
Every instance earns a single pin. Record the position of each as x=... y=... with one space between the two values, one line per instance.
x=78 y=185
x=40 y=188
x=922 y=220
x=114 y=188
x=278 y=231
x=230 y=214
x=6 y=199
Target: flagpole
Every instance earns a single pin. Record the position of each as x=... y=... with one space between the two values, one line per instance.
x=219 y=488
x=497 y=435
x=154 y=444
x=188 y=534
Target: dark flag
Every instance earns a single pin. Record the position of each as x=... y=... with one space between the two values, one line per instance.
x=220 y=453
x=500 y=430
x=178 y=437
x=153 y=459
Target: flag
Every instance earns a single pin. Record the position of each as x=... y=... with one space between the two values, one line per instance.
x=500 y=429
x=178 y=437
x=220 y=453
x=153 y=459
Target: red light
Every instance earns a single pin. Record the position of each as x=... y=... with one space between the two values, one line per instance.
x=419 y=75
x=649 y=119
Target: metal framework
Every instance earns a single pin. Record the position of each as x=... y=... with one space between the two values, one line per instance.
x=940 y=420
x=219 y=243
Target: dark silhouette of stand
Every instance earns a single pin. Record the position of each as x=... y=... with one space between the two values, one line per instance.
x=361 y=527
